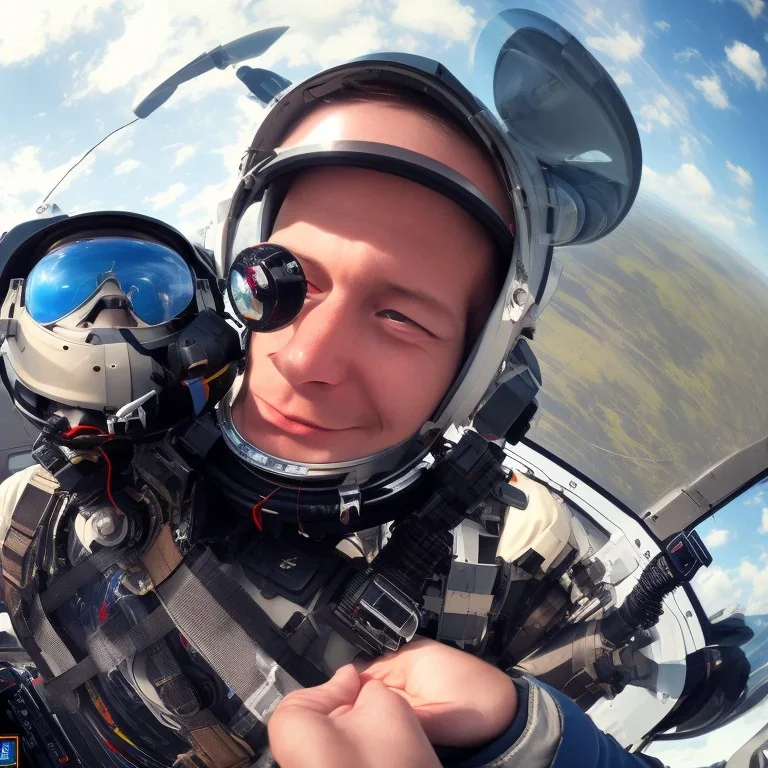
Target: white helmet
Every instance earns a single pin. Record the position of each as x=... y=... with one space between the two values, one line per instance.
x=568 y=151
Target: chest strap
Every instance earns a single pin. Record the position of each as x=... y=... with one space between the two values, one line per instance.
x=233 y=634
x=40 y=502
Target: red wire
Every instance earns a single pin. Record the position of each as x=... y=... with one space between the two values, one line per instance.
x=256 y=511
x=75 y=431
x=109 y=480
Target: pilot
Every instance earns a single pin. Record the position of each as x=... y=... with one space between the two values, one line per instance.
x=185 y=572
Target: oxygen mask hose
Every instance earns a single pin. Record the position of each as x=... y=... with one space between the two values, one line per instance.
x=683 y=556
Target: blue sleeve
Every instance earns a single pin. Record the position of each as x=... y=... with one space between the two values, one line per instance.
x=581 y=742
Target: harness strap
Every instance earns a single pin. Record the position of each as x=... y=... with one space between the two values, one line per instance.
x=202 y=727
x=109 y=646
x=87 y=570
x=236 y=637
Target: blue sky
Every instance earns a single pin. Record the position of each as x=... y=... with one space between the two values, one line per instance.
x=737 y=537
x=692 y=71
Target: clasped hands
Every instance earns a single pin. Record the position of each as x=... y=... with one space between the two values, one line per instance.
x=392 y=710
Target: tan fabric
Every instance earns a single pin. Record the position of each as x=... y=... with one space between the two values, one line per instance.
x=221 y=749
x=162 y=558
x=10 y=492
x=544 y=526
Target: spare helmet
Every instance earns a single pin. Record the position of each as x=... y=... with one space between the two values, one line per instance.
x=112 y=320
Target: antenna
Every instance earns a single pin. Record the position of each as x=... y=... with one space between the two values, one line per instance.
x=83 y=158
x=223 y=56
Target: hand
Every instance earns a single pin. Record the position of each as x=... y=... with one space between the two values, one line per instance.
x=348 y=723
x=459 y=700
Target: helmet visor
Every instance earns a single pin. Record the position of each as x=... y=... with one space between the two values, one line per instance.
x=554 y=98
x=156 y=281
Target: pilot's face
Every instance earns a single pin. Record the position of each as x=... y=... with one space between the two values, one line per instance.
x=396 y=276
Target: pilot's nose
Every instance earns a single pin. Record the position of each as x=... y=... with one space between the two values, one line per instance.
x=321 y=345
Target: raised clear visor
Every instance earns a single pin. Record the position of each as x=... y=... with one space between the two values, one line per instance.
x=560 y=103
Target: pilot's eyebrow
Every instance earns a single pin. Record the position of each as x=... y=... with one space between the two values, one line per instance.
x=397 y=289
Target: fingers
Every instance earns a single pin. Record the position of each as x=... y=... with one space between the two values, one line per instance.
x=340 y=691
x=316 y=728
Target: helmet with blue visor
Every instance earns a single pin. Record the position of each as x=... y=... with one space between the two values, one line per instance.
x=567 y=150
x=113 y=320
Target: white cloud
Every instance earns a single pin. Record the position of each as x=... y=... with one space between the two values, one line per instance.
x=167 y=196
x=756 y=500
x=747 y=60
x=127 y=166
x=689 y=190
x=662 y=25
x=764 y=523
x=592 y=14
x=658 y=112
x=695 y=180
x=711 y=89
x=763 y=557
x=118 y=143
x=183 y=154
x=757 y=580
x=622 y=77
x=688 y=145
x=739 y=175
x=716 y=538
x=744 y=203
x=407 y=43
x=354 y=40
x=30 y=29
x=622 y=46
x=169 y=35
x=687 y=54
x=24 y=181
x=715 y=589
x=290 y=11
x=447 y=18
x=753 y=7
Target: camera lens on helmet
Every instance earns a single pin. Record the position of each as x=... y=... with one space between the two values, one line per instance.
x=266 y=287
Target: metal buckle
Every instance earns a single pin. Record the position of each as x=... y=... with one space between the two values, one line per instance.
x=386 y=615
x=349 y=501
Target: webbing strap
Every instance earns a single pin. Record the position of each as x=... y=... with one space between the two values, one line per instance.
x=180 y=698
x=235 y=636
x=70 y=582
x=162 y=558
x=220 y=749
x=108 y=647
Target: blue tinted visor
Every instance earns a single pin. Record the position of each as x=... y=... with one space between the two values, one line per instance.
x=157 y=282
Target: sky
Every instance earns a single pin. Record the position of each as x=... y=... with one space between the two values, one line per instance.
x=737 y=581
x=693 y=73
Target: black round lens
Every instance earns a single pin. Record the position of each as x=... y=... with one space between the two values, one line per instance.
x=266 y=287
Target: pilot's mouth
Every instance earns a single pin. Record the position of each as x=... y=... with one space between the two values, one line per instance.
x=291 y=424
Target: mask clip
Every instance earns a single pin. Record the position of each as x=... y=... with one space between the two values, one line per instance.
x=133 y=411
